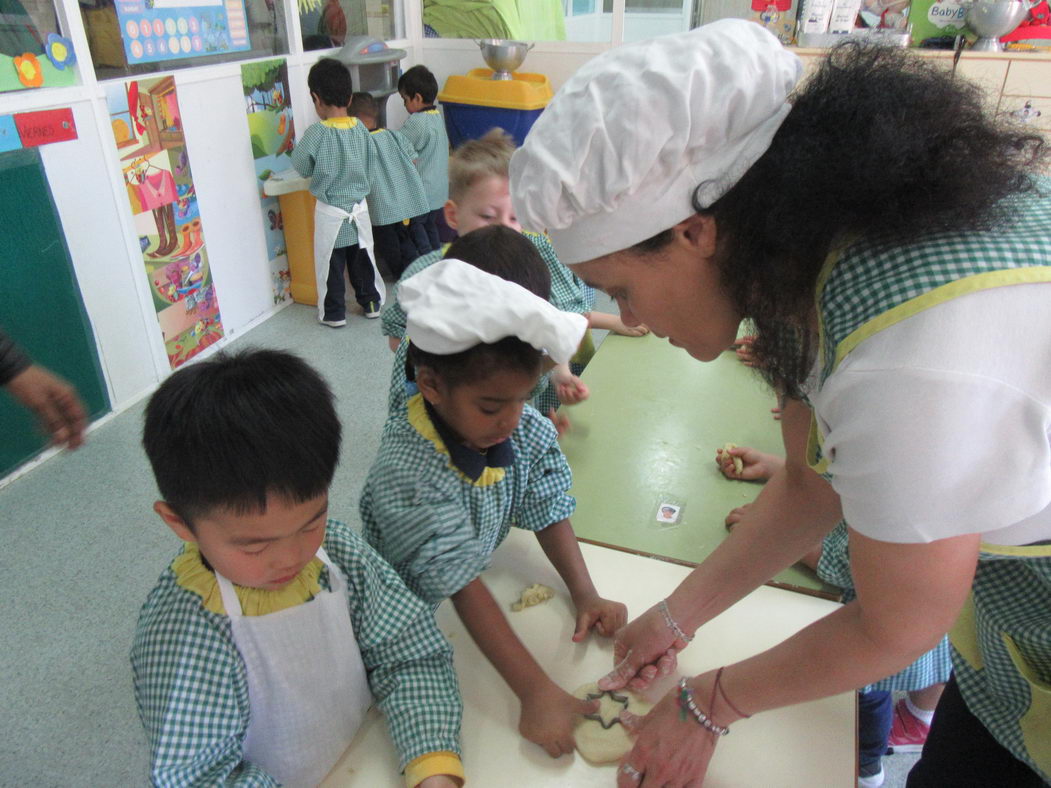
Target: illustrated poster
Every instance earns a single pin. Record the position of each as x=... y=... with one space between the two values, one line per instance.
x=273 y=136
x=147 y=129
x=155 y=30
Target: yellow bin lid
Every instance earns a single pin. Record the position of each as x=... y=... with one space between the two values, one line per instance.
x=524 y=91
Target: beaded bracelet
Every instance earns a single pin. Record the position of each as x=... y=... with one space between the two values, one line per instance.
x=686 y=703
x=672 y=625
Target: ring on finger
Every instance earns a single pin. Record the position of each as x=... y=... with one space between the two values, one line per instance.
x=631 y=771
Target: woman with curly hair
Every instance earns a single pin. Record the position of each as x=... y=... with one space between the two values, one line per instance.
x=893 y=249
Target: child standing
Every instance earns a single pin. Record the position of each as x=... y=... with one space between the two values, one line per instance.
x=467 y=459
x=265 y=641
x=397 y=203
x=425 y=131
x=334 y=154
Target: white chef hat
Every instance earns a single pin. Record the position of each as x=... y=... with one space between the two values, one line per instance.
x=452 y=306
x=615 y=157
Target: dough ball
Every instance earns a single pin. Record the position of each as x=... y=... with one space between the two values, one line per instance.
x=738 y=462
x=533 y=595
x=601 y=745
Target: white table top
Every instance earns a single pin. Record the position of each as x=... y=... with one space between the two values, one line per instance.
x=803 y=746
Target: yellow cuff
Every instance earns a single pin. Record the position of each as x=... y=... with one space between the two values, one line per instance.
x=432 y=763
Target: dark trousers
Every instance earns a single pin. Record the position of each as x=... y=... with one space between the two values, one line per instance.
x=960 y=752
x=430 y=224
x=395 y=245
x=356 y=263
x=875 y=716
x=418 y=232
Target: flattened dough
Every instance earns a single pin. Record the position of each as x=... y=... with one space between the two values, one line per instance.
x=606 y=745
x=533 y=595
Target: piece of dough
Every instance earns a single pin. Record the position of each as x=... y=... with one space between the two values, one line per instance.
x=606 y=745
x=533 y=595
x=738 y=462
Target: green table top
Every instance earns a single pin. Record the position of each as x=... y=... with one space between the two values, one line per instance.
x=647 y=435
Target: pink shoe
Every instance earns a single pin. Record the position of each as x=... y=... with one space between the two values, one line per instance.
x=907 y=733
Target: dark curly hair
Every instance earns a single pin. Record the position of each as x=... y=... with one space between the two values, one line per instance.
x=880 y=143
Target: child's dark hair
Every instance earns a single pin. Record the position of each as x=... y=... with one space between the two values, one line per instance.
x=503 y=252
x=363 y=105
x=419 y=79
x=330 y=81
x=221 y=434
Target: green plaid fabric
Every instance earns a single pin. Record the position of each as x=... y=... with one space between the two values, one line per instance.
x=393 y=318
x=833 y=567
x=336 y=161
x=397 y=191
x=437 y=528
x=568 y=292
x=425 y=132
x=192 y=690
x=1011 y=594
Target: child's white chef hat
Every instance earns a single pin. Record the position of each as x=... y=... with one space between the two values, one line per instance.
x=452 y=306
x=615 y=157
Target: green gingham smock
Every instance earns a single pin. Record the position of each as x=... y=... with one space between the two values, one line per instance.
x=396 y=189
x=425 y=131
x=334 y=154
x=192 y=691
x=435 y=526
x=1001 y=643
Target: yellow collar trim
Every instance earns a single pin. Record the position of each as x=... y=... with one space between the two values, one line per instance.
x=421 y=422
x=340 y=123
x=194 y=576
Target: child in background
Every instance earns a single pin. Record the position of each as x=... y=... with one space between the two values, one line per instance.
x=425 y=131
x=881 y=723
x=334 y=154
x=468 y=458
x=397 y=204
x=478 y=197
x=265 y=641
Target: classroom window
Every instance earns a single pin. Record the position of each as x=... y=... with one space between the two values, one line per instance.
x=135 y=37
x=34 y=51
x=329 y=23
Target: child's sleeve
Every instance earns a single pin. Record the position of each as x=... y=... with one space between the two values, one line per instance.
x=302 y=155
x=424 y=529
x=393 y=318
x=412 y=136
x=408 y=660
x=547 y=499
x=192 y=695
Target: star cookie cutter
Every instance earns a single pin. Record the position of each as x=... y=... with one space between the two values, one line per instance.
x=597 y=716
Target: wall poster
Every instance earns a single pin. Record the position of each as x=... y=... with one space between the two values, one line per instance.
x=155 y=30
x=273 y=136
x=148 y=132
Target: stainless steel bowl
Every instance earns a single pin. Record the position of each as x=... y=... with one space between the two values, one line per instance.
x=991 y=19
x=503 y=56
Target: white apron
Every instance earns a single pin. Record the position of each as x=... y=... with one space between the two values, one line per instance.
x=306 y=682
x=328 y=219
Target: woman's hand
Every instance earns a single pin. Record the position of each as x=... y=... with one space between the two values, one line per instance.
x=54 y=402
x=603 y=615
x=643 y=650
x=669 y=751
x=549 y=716
x=758 y=466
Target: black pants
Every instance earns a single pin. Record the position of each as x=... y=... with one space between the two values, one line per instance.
x=399 y=244
x=875 y=716
x=430 y=224
x=961 y=753
x=362 y=278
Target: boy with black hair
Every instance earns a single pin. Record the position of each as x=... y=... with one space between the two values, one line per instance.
x=265 y=641
x=397 y=203
x=467 y=458
x=425 y=131
x=334 y=154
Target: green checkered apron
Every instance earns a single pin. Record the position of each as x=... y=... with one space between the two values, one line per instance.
x=1002 y=639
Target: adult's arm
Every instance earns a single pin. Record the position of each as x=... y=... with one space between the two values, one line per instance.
x=794 y=510
x=51 y=399
x=12 y=359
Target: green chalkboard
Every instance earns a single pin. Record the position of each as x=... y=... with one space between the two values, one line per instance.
x=40 y=303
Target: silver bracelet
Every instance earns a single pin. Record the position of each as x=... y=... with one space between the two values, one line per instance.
x=672 y=625
x=686 y=704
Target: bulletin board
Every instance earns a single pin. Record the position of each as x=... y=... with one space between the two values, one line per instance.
x=156 y=30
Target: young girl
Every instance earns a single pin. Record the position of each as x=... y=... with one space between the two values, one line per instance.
x=466 y=459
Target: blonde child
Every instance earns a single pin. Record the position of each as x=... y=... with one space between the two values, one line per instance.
x=467 y=458
x=265 y=641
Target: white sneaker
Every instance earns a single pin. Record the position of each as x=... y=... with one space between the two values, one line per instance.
x=873 y=780
x=372 y=311
x=333 y=323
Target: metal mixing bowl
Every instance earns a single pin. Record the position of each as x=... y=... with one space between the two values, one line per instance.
x=991 y=19
x=503 y=56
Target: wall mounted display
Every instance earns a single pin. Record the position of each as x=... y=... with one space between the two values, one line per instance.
x=155 y=166
x=30 y=58
x=273 y=135
x=155 y=30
